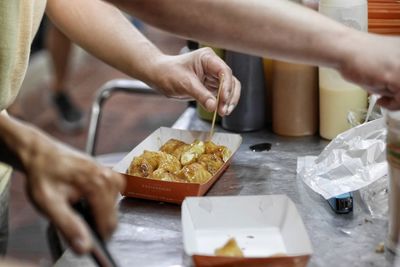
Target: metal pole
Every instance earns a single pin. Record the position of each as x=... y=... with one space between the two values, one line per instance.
x=104 y=93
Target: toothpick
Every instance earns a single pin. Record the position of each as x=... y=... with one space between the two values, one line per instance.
x=216 y=109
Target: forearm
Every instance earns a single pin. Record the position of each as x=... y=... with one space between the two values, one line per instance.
x=15 y=142
x=278 y=29
x=102 y=30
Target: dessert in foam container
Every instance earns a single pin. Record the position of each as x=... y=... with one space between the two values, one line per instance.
x=244 y=231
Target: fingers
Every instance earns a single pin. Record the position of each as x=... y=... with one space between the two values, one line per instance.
x=391 y=103
x=389 y=96
x=382 y=91
x=211 y=83
x=229 y=102
x=213 y=68
x=57 y=180
x=101 y=196
x=202 y=94
x=104 y=213
x=235 y=95
x=228 y=86
x=70 y=224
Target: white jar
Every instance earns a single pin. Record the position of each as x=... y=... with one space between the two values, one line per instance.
x=338 y=96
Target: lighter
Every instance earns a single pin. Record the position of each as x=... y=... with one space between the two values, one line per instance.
x=342 y=203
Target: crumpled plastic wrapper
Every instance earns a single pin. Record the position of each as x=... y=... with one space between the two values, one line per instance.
x=353 y=160
x=376 y=198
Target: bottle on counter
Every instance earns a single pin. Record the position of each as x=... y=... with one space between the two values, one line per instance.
x=249 y=114
x=268 y=65
x=294 y=99
x=337 y=96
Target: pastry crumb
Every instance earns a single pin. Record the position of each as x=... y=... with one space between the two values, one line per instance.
x=380 y=248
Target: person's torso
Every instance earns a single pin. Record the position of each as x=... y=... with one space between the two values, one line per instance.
x=19 y=21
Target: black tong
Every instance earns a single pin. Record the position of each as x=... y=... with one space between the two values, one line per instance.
x=100 y=253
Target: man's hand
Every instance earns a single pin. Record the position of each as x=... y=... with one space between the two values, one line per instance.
x=197 y=74
x=373 y=62
x=58 y=176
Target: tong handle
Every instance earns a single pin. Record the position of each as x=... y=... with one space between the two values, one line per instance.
x=100 y=253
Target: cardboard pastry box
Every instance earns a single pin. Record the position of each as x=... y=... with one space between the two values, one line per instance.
x=267 y=229
x=174 y=192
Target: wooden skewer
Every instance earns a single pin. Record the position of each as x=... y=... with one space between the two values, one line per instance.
x=216 y=109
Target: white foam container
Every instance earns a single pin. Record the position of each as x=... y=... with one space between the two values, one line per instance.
x=267 y=228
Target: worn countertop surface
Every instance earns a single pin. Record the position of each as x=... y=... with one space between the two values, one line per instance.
x=149 y=233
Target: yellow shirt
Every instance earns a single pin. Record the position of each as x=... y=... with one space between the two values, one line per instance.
x=19 y=22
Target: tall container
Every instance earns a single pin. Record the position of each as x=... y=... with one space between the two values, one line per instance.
x=249 y=114
x=393 y=158
x=337 y=96
x=294 y=99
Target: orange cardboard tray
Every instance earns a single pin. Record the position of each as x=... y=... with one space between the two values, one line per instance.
x=173 y=192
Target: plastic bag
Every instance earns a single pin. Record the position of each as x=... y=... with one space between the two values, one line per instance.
x=353 y=160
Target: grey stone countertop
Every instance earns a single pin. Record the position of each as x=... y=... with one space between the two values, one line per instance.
x=149 y=232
